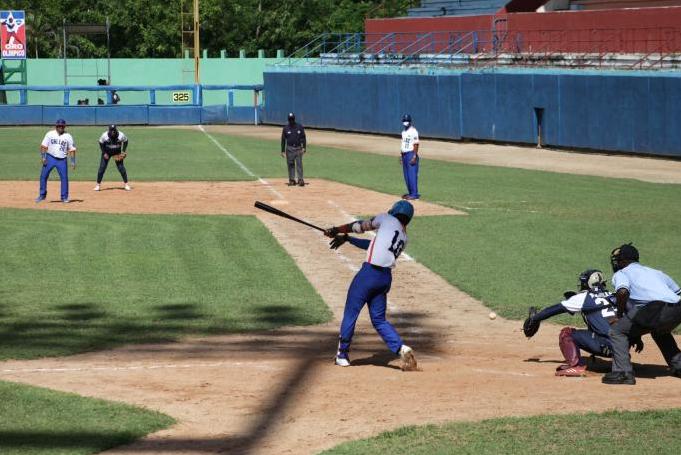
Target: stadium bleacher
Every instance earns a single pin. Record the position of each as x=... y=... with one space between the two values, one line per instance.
x=430 y=8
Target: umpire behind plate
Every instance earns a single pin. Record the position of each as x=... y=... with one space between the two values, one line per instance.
x=113 y=144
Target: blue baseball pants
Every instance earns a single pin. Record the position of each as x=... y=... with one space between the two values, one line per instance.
x=62 y=169
x=411 y=174
x=370 y=286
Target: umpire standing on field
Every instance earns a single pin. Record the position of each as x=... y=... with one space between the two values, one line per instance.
x=113 y=144
x=648 y=300
x=293 y=145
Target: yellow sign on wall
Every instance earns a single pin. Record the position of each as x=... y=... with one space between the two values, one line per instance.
x=181 y=97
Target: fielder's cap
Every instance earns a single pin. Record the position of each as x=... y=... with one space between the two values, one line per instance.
x=60 y=122
x=291 y=116
x=406 y=118
x=113 y=127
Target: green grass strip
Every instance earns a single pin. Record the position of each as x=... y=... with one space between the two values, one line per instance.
x=40 y=421
x=649 y=432
x=75 y=282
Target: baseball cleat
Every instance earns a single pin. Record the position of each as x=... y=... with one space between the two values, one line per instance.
x=291 y=183
x=96 y=188
x=342 y=360
x=619 y=377
x=408 y=359
x=301 y=182
x=127 y=187
x=65 y=201
x=39 y=199
x=571 y=372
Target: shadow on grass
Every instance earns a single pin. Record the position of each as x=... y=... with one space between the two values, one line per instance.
x=306 y=348
x=78 y=442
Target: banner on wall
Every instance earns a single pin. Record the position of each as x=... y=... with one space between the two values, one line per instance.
x=13 y=35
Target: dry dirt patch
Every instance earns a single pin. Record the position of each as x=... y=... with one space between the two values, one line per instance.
x=278 y=392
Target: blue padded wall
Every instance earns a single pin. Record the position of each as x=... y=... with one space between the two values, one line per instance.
x=626 y=112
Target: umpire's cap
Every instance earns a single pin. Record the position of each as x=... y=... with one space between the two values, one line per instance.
x=403 y=211
x=626 y=252
x=60 y=122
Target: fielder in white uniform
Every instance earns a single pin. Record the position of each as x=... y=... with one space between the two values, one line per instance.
x=56 y=145
x=372 y=283
x=409 y=158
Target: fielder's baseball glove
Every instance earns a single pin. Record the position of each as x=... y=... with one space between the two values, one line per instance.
x=531 y=325
x=338 y=241
x=120 y=157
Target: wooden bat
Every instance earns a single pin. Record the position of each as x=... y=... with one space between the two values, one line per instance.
x=272 y=210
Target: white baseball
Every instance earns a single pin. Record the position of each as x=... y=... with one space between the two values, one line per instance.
x=492 y=315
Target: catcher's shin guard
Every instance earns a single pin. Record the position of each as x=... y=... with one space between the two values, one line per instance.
x=568 y=347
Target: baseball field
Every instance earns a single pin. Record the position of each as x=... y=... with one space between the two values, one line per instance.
x=210 y=327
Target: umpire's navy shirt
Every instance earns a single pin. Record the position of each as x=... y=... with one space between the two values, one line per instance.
x=293 y=136
x=646 y=284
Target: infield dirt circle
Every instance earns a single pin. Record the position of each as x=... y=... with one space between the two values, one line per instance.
x=278 y=391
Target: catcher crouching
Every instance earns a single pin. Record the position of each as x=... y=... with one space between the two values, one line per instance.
x=597 y=307
x=113 y=144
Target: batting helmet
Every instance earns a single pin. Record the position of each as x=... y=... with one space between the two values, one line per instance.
x=60 y=122
x=406 y=118
x=626 y=252
x=403 y=211
x=591 y=279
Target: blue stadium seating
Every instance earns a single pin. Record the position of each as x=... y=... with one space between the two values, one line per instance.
x=430 y=8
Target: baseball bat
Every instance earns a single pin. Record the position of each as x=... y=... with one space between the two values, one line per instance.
x=272 y=210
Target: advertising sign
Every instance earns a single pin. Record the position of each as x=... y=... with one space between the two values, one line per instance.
x=13 y=35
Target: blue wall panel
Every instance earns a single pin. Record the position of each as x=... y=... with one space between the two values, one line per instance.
x=124 y=115
x=21 y=115
x=169 y=115
x=74 y=115
x=627 y=112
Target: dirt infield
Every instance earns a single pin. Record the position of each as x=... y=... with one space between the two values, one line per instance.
x=278 y=391
x=656 y=170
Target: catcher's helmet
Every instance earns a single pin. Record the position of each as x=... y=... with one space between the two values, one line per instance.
x=403 y=211
x=591 y=279
x=60 y=122
x=406 y=118
x=624 y=252
x=291 y=117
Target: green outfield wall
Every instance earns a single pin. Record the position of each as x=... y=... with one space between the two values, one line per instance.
x=143 y=72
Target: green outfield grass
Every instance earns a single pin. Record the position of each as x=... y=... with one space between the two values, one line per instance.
x=652 y=432
x=73 y=282
x=39 y=421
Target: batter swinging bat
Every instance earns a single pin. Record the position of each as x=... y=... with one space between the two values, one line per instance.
x=269 y=208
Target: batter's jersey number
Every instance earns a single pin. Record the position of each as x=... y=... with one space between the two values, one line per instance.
x=181 y=97
x=395 y=246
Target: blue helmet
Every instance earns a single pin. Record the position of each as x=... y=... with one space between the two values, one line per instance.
x=402 y=208
x=406 y=118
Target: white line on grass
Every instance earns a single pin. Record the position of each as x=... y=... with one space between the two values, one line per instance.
x=241 y=165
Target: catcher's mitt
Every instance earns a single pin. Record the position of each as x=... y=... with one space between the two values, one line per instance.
x=568 y=294
x=531 y=325
x=120 y=157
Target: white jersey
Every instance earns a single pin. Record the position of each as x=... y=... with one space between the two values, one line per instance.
x=104 y=138
x=390 y=241
x=58 y=145
x=409 y=137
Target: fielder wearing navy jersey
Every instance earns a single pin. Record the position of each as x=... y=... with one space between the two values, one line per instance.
x=409 y=158
x=55 y=147
x=596 y=306
x=649 y=301
x=372 y=283
x=113 y=144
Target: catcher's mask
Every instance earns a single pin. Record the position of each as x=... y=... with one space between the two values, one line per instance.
x=113 y=132
x=591 y=280
x=626 y=252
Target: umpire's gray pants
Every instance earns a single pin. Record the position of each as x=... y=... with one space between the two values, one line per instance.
x=646 y=319
x=294 y=160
